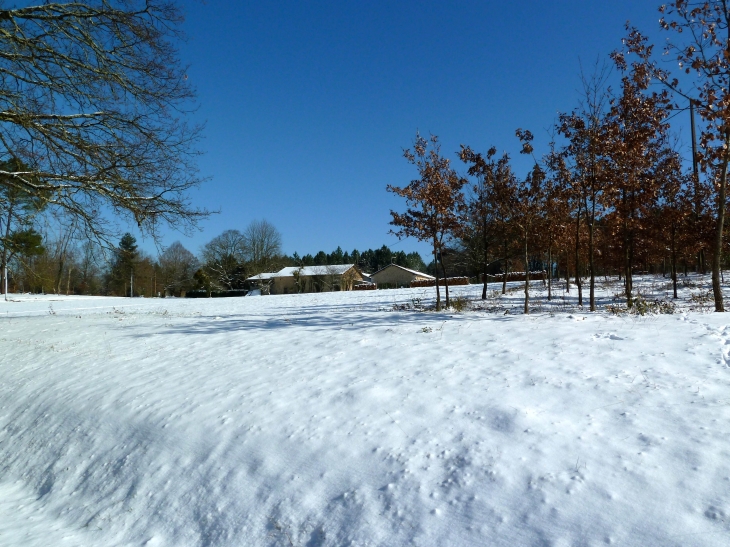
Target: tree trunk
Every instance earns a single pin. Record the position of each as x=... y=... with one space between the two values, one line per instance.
x=674 y=260
x=627 y=269
x=717 y=244
x=446 y=279
x=550 y=272
x=591 y=265
x=485 y=248
x=436 y=271
x=504 y=277
x=703 y=262
x=527 y=277
x=578 y=283
x=59 y=275
x=5 y=260
x=505 y=262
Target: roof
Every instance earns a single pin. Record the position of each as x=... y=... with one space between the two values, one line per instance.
x=261 y=277
x=306 y=271
x=335 y=269
x=414 y=272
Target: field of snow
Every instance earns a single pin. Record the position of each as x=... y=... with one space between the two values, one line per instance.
x=358 y=419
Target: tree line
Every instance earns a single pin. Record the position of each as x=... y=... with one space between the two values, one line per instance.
x=613 y=194
x=62 y=261
x=369 y=261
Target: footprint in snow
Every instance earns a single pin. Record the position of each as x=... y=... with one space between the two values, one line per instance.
x=610 y=336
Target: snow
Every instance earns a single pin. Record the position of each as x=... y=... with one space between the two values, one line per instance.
x=331 y=419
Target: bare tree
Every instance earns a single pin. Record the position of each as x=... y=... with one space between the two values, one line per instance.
x=92 y=105
x=261 y=245
x=62 y=251
x=89 y=267
x=177 y=267
x=224 y=257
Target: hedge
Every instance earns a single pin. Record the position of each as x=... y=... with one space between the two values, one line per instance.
x=215 y=294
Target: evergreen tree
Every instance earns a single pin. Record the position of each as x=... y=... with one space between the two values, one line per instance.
x=356 y=259
x=121 y=271
x=320 y=259
x=17 y=210
x=336 y=257
x=415 y=262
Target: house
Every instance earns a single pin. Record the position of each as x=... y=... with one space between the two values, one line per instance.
x=261 y=282
x=294 y=279
x=394 y=276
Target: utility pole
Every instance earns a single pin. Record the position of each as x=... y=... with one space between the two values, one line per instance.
x=131 y=284
x=5 y=280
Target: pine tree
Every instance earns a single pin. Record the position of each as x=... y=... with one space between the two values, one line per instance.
x=121 y=272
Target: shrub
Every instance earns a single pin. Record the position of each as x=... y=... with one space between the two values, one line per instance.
x=460 y=303
x=643 y=306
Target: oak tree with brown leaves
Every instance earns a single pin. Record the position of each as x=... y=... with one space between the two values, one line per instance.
x=635 y=139
x=484 y=208
x=434 y=201
x=701 y=47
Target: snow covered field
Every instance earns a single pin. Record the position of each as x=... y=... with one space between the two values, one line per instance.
x=349 y=419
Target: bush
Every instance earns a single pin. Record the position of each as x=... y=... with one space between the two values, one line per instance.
x=460 y=303
x=645 y=307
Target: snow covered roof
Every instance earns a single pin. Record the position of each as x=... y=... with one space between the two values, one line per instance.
x=262 y=277
x=336 y=269
x=414 y=272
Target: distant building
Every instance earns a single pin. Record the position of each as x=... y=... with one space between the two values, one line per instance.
x=338 y=277
x=394 y=276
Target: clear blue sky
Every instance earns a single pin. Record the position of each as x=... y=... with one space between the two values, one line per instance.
x=308 y=105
